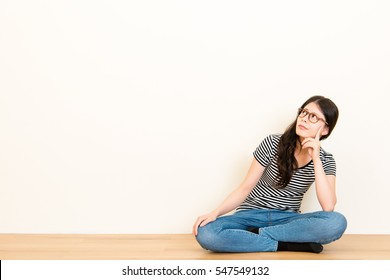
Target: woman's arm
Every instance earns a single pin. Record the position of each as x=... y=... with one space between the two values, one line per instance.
x=325 y=187
x=235 y=198
x=325 y=184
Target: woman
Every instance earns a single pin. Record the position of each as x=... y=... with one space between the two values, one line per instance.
x=269 y=198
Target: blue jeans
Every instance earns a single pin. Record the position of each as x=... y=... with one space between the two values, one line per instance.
x=231 y=233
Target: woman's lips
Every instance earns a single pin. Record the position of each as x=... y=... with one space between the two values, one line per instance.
x=302 y=127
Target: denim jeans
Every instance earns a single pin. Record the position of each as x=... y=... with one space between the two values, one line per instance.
x=231 y=233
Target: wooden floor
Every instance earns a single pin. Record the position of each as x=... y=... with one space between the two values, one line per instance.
x=170 y=247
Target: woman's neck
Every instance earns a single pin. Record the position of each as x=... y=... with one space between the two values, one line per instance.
x=302 y=156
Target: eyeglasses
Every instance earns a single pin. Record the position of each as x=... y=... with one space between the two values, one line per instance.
x=313 y=118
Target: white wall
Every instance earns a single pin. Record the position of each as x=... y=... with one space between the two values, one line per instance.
x=138 y=116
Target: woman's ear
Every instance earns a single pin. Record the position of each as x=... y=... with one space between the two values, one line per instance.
x=325 y=131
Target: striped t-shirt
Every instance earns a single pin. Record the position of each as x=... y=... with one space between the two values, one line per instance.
x=265 y=196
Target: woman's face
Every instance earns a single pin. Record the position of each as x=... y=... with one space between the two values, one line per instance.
x=311 y=121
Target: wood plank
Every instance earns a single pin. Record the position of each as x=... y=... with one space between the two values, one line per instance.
x=170 y=247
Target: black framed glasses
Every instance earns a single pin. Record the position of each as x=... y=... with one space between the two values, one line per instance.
x=313 y=118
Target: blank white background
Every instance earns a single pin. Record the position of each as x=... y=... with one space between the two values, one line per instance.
x=138 y=116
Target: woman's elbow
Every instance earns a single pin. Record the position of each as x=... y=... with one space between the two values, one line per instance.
x=329 y=207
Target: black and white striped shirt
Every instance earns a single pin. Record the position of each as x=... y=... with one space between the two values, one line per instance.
x=265 y=196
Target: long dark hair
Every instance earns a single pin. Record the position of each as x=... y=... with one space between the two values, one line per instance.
x=286 y=161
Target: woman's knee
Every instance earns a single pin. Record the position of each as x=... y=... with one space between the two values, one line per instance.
x=336 y=224
x=206 y=236
x=340 y=221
